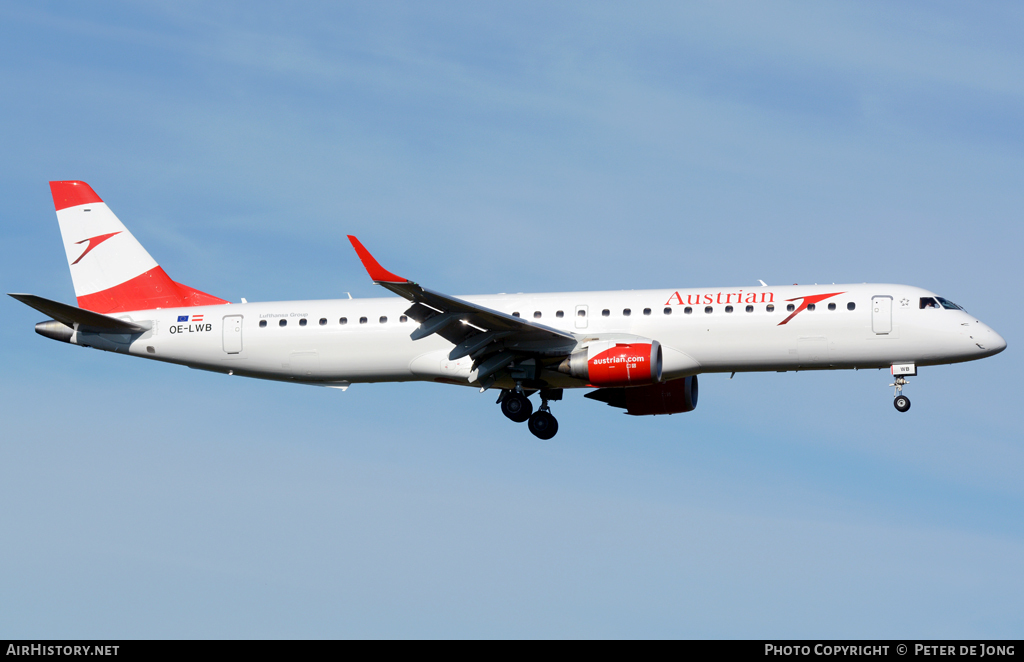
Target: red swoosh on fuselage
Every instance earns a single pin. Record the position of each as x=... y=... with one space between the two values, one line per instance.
x=93 y=243
x=814 y=298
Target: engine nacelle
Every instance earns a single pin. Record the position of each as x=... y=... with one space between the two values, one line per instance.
x=616 y=363
x=675 y=397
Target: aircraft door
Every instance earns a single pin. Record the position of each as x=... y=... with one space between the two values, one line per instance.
x=881 y=314
x=581 y=317
x=233 y=334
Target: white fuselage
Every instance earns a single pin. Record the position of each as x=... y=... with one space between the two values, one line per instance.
x=347 y=341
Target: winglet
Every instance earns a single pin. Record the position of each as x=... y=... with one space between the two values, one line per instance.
x=378 y=273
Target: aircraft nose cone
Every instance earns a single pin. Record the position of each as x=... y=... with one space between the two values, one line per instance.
x=995 y=342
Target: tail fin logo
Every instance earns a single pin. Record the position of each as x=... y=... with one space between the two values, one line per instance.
x=93 y=243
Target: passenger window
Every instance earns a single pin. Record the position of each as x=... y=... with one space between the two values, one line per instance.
x=647 y=311
x=515 y=314
x=302 y=322
x=790 y=307
x=605 y=312
x=668 y=311
x=403 y=319
x=362 y=320
x=263 y=324
x=750 y=309
x=383 y=319
x=831 y=306
x=770 y=308
x=560 y=314
x=851 y=306
x=708 y=310
x=626 y=312
x=343 y=320
x=323 y=321
x=536 y=314
x=928 y=302
x=810 y=306
x=283 y=323
x=581 y=313
x=728 y=309
x=688 y=310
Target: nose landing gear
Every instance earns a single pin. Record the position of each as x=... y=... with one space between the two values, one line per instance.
x=900 y=372
x=901 y=402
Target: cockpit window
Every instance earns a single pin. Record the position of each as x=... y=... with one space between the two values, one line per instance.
x=948 y=305
x=928 y=302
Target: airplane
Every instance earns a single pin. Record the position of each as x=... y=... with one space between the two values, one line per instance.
x=640 y=351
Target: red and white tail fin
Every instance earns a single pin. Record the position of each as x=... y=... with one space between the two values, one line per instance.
x=111 y=270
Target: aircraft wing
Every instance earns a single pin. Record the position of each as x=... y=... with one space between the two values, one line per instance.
x=493 y=338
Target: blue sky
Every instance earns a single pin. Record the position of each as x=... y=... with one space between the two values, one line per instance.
x=484 y=148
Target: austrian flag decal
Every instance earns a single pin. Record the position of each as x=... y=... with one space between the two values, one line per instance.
x=190 y=324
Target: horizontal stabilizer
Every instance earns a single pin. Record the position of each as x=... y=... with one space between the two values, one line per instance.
x=70 y=315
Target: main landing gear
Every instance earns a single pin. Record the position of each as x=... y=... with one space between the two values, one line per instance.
x=542 y=424
x=901 y=402
x=517 y=407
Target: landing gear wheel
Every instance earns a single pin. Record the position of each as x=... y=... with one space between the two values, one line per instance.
x=901 y=402
x=543 y=425
x=517 y=407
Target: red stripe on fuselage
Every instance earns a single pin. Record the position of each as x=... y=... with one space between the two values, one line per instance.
x=152 y=289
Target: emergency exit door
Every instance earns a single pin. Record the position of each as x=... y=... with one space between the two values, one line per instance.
x=233 y=334
x=581 y=317
x=881 y=314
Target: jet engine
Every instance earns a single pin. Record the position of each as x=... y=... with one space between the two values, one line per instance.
x=673 y=397
x=616 y=363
